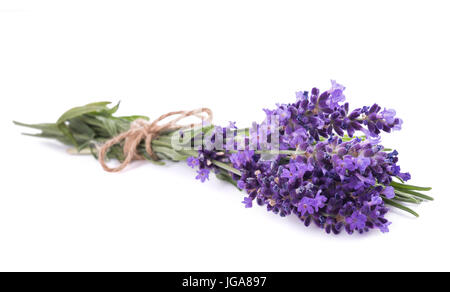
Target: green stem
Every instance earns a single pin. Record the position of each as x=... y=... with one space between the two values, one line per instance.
x=226 y=167
x=407 y=196
x=400 y=206
x=413 y=194
x=409 y=187
x=406 y=200
x=220 y=164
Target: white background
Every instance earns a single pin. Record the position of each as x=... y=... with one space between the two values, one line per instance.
x=64 y=213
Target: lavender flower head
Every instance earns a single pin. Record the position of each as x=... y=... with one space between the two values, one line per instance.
x=322 y=173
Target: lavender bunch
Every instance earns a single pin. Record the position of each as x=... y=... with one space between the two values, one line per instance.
x=313 y=158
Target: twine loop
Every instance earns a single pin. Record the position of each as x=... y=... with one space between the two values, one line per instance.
x=141 y=129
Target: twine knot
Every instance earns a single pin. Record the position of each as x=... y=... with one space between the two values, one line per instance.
x=143 y=130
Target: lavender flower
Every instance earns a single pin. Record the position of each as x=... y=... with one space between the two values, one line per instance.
x=306 y=206
x=247 y=202
x=389 y=192
x=323 y=114
x=192 y=162
x=202 y=174
x=356 y=221
x=337 y=183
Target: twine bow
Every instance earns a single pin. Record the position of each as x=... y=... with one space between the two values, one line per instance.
x=141 y=129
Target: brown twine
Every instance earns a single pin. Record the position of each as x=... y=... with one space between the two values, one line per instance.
x=141 y=129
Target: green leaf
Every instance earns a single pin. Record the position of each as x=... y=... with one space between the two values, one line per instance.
x=409 y=187
x=415 y=194
x=81 y=110
x=77 y=125
x=132 y=118
x=400 y=206
x=109 y=125
x=49 y=128
x=78 y=112
x=68 y=134
x=114 y=109
x=92 y=120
